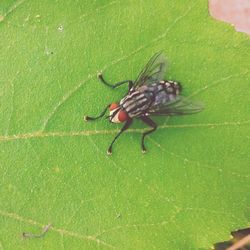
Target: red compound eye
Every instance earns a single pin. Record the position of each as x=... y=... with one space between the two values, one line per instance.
x=113 y=106
x=122 y=116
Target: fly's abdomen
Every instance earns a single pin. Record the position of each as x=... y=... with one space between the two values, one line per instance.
x=172 y=87
x=167 y=91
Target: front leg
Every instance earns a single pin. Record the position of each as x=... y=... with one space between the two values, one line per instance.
x=152 y=124
x=125 y=127
x=113 y=86
x=88 y=118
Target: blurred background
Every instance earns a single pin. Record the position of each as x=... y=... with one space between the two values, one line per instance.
x=236 y=12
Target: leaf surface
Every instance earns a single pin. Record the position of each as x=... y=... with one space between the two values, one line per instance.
x=190 y=189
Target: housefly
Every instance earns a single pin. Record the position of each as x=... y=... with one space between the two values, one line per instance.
x=149 y=95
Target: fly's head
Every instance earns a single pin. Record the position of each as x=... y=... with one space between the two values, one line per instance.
x=117 y=114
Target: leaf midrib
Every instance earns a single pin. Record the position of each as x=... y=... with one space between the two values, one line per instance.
x=41 y=134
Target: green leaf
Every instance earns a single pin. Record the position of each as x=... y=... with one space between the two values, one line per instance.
x=190 y=189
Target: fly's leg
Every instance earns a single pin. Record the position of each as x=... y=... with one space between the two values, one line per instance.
x=113 y=86
x=125 y=127
x=152 y=124
x=88 y=118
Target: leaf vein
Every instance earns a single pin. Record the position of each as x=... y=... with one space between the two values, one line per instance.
x=13 y=7
x=41 y=134
x=216 y=83
x=61 y=231
x=204 y=165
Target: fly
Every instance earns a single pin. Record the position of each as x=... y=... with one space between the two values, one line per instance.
x=149 y=95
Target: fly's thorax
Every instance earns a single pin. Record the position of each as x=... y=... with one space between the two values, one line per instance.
x=117 y=114
x=136 y=103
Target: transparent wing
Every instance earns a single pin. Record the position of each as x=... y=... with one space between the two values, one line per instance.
x=154 y=70
x=180 y=106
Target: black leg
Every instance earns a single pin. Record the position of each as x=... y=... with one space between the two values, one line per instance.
x=130 y=83
x=88 y=118
x=125 y=127
x=152 y=124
